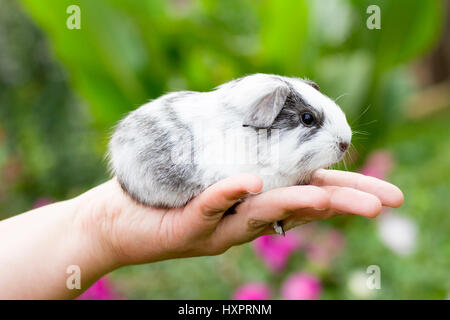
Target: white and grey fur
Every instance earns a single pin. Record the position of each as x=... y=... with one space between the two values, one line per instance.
x=142 y=145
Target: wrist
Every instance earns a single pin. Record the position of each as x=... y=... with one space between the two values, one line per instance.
x=92 y=233
x=122 y=232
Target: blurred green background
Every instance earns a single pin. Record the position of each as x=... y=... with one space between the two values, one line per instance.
x=62 y=90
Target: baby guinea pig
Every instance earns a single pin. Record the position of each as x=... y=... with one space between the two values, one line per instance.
x=279 y=128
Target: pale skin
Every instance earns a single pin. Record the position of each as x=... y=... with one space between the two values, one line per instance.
x=103 y=229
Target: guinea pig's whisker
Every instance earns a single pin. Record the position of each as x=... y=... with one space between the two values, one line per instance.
x=368 y=123
x=354 y=150
x=360 y=132
x=352 y=146
x=361 y=138
x=342 y=95
x=345 y=164
x=362 y=113
x=348 y=155
x=362 y=149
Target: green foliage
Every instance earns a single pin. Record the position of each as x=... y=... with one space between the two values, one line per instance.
x=47 y=147
x=130 y=51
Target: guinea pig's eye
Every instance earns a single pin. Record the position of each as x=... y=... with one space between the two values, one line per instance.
x=308 y=119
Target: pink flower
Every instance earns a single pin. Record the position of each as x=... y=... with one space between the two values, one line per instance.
x=324 y=247
x=275 y=250
x=42 y=201
x=301 y=286
x=100 y=290
x=252 y=291
x=378 y=164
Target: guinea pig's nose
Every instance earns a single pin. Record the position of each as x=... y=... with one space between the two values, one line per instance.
x=343 y=146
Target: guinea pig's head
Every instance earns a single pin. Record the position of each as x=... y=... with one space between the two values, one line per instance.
x=313 y=130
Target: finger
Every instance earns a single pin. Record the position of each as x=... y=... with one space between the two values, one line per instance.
x=345 y=200
x=388 y=194
x=255 y=216
x=211 y=204
x=256 y=213
x=277 y=204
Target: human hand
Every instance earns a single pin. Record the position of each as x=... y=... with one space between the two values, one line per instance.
x=131 y=233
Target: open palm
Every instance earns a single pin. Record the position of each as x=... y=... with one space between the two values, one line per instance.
x=140 y=234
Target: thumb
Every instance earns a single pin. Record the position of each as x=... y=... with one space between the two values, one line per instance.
x=211 y=204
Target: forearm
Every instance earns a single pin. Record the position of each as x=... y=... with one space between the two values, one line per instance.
x=38 y=246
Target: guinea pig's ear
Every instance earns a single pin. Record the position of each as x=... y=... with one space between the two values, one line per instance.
x=266 y=108
x=312 y=84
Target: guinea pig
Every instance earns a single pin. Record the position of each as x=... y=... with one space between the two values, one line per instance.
x=282 y=129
